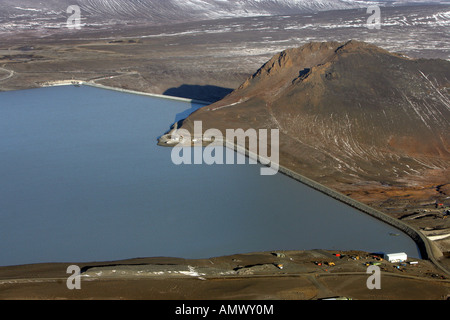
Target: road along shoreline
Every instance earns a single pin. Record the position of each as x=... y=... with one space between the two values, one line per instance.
x=428 y=250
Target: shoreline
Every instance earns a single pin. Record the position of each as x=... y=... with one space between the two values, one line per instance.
x=427 y=249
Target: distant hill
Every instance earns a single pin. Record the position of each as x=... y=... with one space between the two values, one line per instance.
x=347 y=112
x=167 y=11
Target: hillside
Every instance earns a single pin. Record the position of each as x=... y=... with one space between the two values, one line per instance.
x=28 y=14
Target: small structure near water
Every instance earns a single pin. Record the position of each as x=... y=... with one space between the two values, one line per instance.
x=396 y=257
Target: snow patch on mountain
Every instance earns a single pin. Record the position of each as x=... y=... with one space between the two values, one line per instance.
x=158 y=11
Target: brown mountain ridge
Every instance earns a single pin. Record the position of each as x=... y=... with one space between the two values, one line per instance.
x=348 y=113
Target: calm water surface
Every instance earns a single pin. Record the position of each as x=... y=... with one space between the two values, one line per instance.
x=82 y=180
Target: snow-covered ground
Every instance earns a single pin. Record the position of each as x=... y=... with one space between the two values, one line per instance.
x=173 y=10
x=257 y=28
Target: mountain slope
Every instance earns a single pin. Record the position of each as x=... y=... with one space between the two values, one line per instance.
x=347 y=113
x=169 y=11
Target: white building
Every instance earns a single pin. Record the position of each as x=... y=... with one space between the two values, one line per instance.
x=396 y=257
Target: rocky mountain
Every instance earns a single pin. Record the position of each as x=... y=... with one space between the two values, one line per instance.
x=348 y=113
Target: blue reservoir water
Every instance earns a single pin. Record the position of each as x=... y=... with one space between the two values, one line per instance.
x=82 y=179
